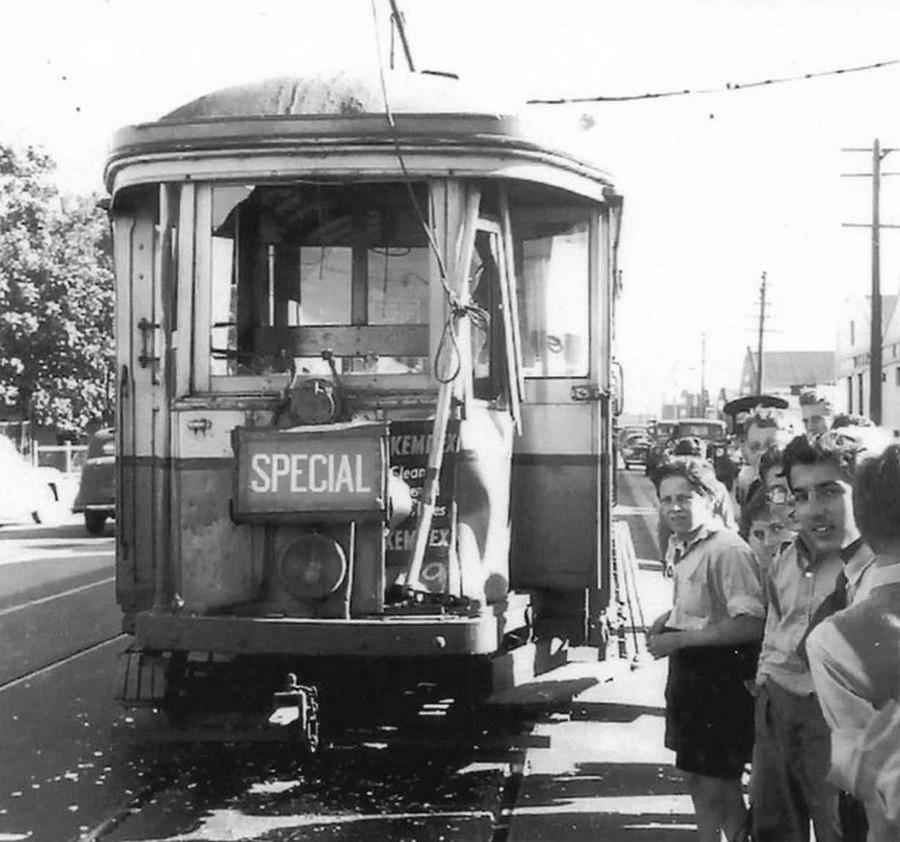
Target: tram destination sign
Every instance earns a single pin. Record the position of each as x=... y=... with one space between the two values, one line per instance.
x=329 y=473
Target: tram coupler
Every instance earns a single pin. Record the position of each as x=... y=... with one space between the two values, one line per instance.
x=297 y=707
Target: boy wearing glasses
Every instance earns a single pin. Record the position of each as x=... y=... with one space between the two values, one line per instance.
x=767 y=532
x=822 y=567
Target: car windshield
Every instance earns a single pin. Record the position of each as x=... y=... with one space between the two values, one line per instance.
x=664 y=431
x=712 y=431
x=101 y=445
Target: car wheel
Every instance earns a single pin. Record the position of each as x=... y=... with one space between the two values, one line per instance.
x=94 y=522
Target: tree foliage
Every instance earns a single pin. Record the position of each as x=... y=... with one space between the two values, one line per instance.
x=56 y=298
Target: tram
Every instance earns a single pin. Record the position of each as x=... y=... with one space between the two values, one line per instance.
x=364 y=399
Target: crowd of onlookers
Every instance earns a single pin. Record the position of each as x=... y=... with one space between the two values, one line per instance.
x=784 y=636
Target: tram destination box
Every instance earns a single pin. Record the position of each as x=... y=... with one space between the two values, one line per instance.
x=334 y=473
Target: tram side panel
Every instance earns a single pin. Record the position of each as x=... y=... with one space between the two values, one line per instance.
x=220 y=563
x=141 y=523
x=554 y=523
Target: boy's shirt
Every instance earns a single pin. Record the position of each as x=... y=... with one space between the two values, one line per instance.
x=857 y=676
x=795 y=587
x=716 y=577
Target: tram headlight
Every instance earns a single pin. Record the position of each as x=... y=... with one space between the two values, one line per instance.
x=312 y=567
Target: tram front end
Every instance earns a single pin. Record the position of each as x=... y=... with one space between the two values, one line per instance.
x=342 y=343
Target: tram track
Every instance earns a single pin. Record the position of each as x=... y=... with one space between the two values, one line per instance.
x=60 y=662
x=396 y=785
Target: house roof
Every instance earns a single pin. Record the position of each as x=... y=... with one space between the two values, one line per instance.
x=784 y=369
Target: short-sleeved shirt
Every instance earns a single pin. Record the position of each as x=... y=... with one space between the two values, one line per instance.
x=795 y=587
x=716 y=577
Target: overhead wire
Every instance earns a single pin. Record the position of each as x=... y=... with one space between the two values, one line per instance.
x=727 y=87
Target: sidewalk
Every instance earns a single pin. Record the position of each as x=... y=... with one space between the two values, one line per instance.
x=602 y=772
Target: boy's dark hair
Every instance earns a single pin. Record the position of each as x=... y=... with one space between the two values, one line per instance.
x=826 y=449
x=698 y=472
x=811 y=398
x=845 y=420
x=876 y=498
x=772 y=457
x=765 y=417
x=756 y=508
x=688 y=446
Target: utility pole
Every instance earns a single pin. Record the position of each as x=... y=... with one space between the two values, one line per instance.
x=876 y=340
x=703 y=375
x=762 y=327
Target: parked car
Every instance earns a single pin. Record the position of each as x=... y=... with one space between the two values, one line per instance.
x=97 y=491
x=661 y=434
x=27 y=493
x=625 y=433
x=634 y=450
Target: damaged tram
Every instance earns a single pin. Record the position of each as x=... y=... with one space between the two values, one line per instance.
x=364 y=401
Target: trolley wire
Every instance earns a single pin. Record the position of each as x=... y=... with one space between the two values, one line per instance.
x=727 y=87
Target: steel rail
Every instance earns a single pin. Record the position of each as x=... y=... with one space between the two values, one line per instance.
x=67 y=659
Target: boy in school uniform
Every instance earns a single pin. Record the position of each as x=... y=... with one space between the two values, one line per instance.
x=819 y=571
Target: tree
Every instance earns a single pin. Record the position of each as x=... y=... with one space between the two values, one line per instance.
x=56 y=298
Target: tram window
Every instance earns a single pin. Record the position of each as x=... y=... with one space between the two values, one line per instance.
x=398 y=286
x=552 y=253
x=486 y=335
x=324 y=281
x=339 y=260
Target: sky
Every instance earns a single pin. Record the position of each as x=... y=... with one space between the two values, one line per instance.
x=718 y=187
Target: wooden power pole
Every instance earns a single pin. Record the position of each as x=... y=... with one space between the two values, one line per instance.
x=876 y=340
x=703 y=375
x=762 y=330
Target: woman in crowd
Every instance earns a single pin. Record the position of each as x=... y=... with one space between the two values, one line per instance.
x=855 y=658
x=711 y=637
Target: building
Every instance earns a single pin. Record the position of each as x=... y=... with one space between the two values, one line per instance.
x=853 y=356
x=788 y=373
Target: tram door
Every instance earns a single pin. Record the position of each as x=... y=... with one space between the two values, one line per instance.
x=561 y=468
x=145 y=225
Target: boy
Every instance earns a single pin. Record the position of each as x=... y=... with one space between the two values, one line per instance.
x=766 y=531
x=826 y=561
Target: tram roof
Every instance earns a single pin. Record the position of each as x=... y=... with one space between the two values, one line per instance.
x=430 y=113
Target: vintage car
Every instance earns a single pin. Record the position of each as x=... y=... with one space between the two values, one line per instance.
x=661 y=434
x=628 y=432
x=634 y=449
x=27 y=493
x=96 y=496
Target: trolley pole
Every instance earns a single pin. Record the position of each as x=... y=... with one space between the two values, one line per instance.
x=762 y=325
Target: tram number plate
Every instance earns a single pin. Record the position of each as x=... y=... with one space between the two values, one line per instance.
x=283 y=474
